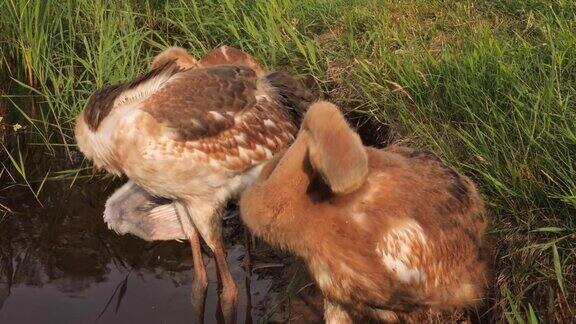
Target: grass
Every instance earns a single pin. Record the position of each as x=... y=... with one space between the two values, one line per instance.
x=490 y=86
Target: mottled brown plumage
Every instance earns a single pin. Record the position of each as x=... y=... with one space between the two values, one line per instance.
x=204 y=101
x=383 y=232
x=193 y=131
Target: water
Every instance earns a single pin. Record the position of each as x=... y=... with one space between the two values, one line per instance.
x=60 y=264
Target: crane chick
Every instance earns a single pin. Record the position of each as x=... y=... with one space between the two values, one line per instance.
x=383 y=232
x=196 y=133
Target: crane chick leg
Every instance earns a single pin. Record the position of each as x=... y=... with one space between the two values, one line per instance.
x=200 y=282
x=206 y=219
x=229 y=295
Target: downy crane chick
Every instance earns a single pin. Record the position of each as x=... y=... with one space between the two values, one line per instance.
x=383 y=232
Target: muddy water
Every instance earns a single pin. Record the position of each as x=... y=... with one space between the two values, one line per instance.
x=60 y=264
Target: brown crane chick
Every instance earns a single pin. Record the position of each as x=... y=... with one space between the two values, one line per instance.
x=383 y=232
x=197 y=136
x=133 y=210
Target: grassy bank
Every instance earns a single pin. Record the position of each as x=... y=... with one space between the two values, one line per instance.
x=490 y=86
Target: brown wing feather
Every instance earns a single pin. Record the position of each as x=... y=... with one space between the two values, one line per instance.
x=256 y=136
x=202 y=102
x=102 y=101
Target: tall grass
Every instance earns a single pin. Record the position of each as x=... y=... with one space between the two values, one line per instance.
x=488 y=85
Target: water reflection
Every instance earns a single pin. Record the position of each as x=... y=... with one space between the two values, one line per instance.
x=61 y=264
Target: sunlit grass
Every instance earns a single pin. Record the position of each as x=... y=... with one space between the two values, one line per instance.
x=488 y=85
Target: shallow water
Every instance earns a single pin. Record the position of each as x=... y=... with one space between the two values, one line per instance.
x=60 y=264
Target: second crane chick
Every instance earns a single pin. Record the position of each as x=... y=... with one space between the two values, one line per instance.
x=383 y=232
